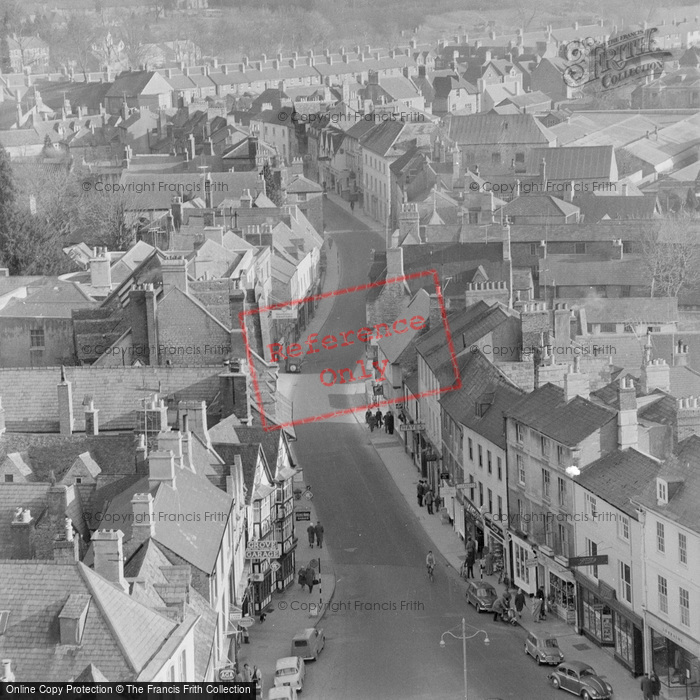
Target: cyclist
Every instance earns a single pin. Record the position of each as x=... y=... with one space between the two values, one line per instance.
x=430 y=562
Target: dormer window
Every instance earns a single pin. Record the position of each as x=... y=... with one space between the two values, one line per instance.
x=661 y=492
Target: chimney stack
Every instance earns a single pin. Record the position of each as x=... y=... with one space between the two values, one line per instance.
x=687 y=418
x=22 y=533
x=7 y=674
x=409 y=222
x=627 y=426
x=143 y=524
x=66 y=546
x=174 y=271
x=394 y=263
x=576 y=383
x=92 y=425
x=680 y=354
x=171 y=440
x=101 y=271
x=656 y=374
x=161 y=469
x=236 y=392
x=141 y=456
x=65 y=405
x=192 y=417
x=109 y=556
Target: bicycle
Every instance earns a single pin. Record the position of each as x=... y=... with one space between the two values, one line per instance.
x=431 y=572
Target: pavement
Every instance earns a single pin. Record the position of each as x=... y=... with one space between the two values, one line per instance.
x=451 y=549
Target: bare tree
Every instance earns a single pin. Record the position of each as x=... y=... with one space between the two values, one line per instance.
x=134 y=37
x=671 y=255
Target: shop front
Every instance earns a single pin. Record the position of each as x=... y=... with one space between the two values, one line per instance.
x=494 y=539
x=460 y=519
x=675 y=658
x=609 y=623
x=561 y=591
x=474 y=525
x=524 y=558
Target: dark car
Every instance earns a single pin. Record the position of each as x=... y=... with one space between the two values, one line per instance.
x=481 y=595
x=580 y=679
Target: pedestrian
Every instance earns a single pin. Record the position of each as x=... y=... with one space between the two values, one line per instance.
x=239 y=677
x=301 y=580
x=499 y=607
x=471 y=545
x=429 y=500
x=311 y=531
x=647 y=687
x=378 y=417
x=488 y=563
x=540 y=596
x=319 y=534
x=372 y=423
x=656 y=686
x=262 y=617
x=257 y=679
x=519 y=602
x=536 y=609
x=310 y=579
x=420 y=492
x=389 y=421
x=470 y=561
x=247 y=673
x=368 y=415
x=352 y=205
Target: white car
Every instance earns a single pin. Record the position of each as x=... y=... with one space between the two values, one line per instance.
x=290 y=672
x=285 y=693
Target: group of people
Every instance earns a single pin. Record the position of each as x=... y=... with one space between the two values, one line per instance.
x=468 y=566
x=315 y=533
x=426 y=497
x=539 y=609
x=379 y=419
x=307 y=577
x=249 y=675
x=651 y=686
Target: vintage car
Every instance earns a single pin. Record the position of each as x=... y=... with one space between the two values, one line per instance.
x=544 y=648
x=481 y=595
x=580 y=679
x=290 y=671
x=308 y=643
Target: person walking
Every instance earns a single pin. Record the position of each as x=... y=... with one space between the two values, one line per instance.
x=310 y=579
x=647 y=688
x=541 y=598
x=368 y=415
x=301 y=580
x=319 y=534
x=536 y=609
x=470 y=561
x=352 y=205
x=247 y=673
x=372 y=423
x=655 y=686
x=488 y=563
x=378 y=417
x=499 y=607
x=420 y=492
x=519 y=602
x=389 y=423
x=311 y=531
x=429 y=500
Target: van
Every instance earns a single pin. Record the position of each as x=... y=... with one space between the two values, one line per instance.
x=544 y=648
x=284 y=693
x=308 y=643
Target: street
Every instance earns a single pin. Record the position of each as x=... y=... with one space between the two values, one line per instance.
x=383 y=628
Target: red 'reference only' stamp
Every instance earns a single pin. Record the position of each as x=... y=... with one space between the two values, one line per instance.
x=314 y=344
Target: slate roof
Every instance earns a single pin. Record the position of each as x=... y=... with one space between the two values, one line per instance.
x=622 y=310
x=57 y=299
x=595 y=208
x=481 y=381
x=120 y=635
x=627 y=271
x=684 y=486
x=486 y=129
x=248 y=454
x=130 y=82
x=618 y=477
x=574 y=162
x=394 y=345
x=539 y=205
x=381 y=139
x=303 y=184
x=547 y=411
x=196 y=540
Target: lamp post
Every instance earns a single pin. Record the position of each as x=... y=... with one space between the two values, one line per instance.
x=464 y=638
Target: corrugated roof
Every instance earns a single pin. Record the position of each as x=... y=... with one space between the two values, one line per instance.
x=574 y=162
x=487 y=129
x=547 y=411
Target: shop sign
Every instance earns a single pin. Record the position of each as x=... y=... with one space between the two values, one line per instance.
x=302 y=515
x=227 y=675
x=599 y=560
x=448 y=491
x=284 y=314
x=378 y=390
x=263 y=550
x=257 y=578
x=606 y=592
x=412 y=426
x=445 y=476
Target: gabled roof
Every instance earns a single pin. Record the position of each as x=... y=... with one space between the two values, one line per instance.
x=120 y=636
x=381 y=139
x=133 y=83
x=635 y=310
x=618 y=477
x=596 y=208
x=539 y=205
x=393 y=346
x=574 y=162
x=482 y=384
x=628 y=271
x=483 y=129
x=301 y=184
x=546 y=411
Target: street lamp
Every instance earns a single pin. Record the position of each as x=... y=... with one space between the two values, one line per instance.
x=464 y=638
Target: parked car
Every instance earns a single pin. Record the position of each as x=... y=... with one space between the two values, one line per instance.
x=481 y=595
x=282 y=693
x=290 y=671
x=308 y=643
x=544 y=648
x=580 y=679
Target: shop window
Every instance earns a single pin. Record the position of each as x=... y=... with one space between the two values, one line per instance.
x=597 y=617
x=684 y=600
x=675 y=666
x=682 y=548
x=625 y=582
x=663 y=594
x=660 y=538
